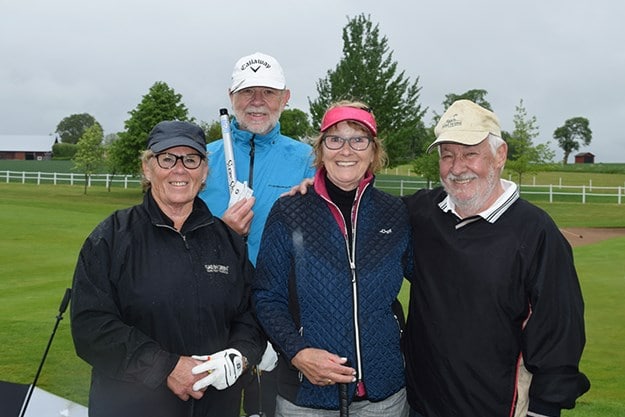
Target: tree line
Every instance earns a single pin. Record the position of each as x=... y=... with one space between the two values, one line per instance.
x=366 y=72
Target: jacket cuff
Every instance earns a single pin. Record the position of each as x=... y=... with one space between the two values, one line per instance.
x=290 y=354
x=539 y=408
x=163 y=366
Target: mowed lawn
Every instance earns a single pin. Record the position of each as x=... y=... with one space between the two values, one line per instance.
x=43 y=228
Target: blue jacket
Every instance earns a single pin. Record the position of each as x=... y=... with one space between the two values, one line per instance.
x=279 y=163
x=304 y=294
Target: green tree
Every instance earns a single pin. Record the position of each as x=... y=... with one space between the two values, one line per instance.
x=524 y=133
x=571 y=133
x=110 y=138
x=427 y=166
x=530 y=160
x=367 y=72
x=110 y=164
x=160 y=103
x=476 y=95
x=90 y=154
x=72 y=127
x=523 y=156
x=294 y=123
x=212 y=130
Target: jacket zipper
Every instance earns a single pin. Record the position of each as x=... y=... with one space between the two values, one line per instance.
x=184 y=237
x=360 y=387
x=351 y=253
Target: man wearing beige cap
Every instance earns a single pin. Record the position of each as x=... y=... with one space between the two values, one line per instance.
x=496 y=317
x=268 y=162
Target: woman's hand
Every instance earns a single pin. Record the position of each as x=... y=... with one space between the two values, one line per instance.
x=321 y=367
x=180 y=381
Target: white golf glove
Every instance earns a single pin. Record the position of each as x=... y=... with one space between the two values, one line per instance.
x=269 y=361
x=223 y=367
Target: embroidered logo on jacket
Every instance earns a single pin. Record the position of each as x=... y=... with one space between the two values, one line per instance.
x=386 y=231
x=220 y=269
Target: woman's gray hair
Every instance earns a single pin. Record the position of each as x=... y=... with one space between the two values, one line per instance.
x=145 y=158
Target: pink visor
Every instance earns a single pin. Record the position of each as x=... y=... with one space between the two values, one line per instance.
x=340 y=114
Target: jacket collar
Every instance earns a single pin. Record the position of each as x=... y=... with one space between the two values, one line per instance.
x=200 y=215
x=320 y=185
x=243 y=136
x=320 y=188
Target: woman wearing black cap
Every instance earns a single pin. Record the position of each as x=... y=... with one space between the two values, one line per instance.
x=161 y=307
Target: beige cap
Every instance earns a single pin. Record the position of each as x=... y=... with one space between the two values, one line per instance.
x=465 y=123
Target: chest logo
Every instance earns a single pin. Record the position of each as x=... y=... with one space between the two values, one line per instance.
x=386 y=231
x=219 y=269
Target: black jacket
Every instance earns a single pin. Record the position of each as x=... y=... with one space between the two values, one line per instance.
x=482 y=296
x=144 y=294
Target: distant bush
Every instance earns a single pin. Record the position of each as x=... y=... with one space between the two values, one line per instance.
x=64 y=150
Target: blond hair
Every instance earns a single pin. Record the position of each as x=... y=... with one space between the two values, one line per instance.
x=379 y=154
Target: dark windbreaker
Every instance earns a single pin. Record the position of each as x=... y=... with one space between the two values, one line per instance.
x=483 y=295
x=144 y=294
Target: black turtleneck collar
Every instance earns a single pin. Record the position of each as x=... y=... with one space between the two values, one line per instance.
x=344 y=200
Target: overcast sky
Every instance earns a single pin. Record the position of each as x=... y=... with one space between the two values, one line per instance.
x=564 y=58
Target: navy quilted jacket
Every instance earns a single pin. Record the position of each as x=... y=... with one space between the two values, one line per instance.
x=304 y=292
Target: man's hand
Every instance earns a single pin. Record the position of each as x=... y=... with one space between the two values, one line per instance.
x=321 y=367
x=223 y=369
x=180 y=381
x=301 y=188
x=239 y=216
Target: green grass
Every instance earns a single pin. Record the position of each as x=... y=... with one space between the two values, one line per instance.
x=601 y=268
x=585 y=215
x=43 y=228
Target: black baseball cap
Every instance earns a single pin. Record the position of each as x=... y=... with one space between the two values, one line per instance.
x=172 y=133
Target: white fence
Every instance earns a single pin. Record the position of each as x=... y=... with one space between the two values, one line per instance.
x=549 y=192
x=57 y=178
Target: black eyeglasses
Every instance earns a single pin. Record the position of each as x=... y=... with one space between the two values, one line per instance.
x=169 y=160
x=357 y=143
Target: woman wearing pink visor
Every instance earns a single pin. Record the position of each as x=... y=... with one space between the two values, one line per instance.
x=330 y=266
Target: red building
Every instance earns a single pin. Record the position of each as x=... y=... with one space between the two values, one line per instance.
x=585 y=158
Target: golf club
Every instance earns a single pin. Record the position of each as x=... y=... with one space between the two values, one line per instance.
x=59 y=317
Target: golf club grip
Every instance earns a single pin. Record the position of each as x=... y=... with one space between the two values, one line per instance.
x=65 y=301
x=224 y=122
x=343 y=400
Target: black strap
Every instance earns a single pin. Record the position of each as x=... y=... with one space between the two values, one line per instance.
x=250 y=180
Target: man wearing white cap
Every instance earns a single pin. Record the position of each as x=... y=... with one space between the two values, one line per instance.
x=496 y=317
x=269 y=162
